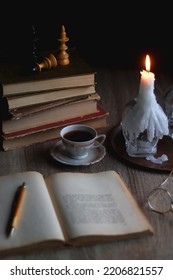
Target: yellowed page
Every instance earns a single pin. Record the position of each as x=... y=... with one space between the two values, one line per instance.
x=37 y=221
x=96 y=204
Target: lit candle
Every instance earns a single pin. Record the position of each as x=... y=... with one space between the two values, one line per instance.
x=145 y=122
x=147 y=79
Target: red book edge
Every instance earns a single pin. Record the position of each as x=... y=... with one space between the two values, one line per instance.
x=100 y=112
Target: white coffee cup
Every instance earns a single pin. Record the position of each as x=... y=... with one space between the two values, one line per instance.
x=79 y=138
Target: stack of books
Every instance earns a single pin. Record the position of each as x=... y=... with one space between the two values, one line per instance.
x=34 y=107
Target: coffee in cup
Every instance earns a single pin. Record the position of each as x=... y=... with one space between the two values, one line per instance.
x=79 y=138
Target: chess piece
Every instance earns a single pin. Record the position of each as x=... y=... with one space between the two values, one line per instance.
x=34 y=50
x=47 y=63
x=63 y=56
x=31 y=53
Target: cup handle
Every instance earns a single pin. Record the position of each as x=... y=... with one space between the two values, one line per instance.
x=100 y=138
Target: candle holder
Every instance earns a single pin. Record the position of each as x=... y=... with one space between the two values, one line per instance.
x=138 y=143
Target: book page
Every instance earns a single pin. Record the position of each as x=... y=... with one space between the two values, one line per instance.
x=37 y=221
x=96 y=204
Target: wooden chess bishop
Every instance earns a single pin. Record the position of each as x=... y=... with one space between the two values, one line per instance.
x=48 y=62
x=63 y=56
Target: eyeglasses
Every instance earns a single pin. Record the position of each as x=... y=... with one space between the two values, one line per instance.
x=160 y=199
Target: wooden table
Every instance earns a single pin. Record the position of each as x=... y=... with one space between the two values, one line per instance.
x=116 y=88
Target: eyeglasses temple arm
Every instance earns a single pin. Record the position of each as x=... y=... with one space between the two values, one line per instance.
x=166 y=178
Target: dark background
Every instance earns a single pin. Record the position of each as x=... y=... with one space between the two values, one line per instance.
x=106 y=34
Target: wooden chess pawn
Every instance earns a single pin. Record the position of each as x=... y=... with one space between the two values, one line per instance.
x=63 y=56
x=47 y=63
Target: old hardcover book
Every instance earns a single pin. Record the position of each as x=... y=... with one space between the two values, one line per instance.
x=57 y=113
x=52 y=131
x=15 y=81
x=36 y=98
x=69 y=209
x=20 y=112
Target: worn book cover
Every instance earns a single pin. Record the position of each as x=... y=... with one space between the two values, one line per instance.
x=16 y=102
x=51 y=115
x=52 y=131
x=20 y=112
x=100 y=111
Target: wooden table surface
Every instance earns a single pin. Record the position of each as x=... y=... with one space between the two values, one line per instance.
x=116 y=88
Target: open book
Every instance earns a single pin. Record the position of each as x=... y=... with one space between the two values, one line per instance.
x=70 y=208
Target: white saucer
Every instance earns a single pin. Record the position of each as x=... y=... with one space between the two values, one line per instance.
x=59 y=153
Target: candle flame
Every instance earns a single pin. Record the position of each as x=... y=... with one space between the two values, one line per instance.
x=147 y=63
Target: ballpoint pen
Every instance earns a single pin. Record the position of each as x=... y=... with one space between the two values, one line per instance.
x=16 y=208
